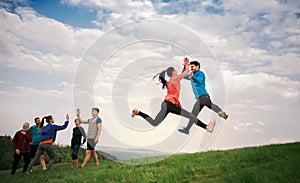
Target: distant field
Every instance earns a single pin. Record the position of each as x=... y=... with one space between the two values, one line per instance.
x=273 y=163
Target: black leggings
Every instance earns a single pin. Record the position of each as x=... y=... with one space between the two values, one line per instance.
x=166 y=108
x=204 y=100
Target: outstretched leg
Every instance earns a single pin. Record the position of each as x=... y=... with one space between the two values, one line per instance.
x=196 y=110
x=36 y=157
x=51 y=154
x=198 y=106
x=205 y=100
x=182 y=112
x=159 y=117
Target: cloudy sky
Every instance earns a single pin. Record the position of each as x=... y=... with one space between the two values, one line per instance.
x=60 y=55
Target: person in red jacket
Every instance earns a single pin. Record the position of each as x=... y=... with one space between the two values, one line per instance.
x=171 y=103
x=21 y=143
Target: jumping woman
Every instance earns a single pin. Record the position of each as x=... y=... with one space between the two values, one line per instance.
x=171 y=102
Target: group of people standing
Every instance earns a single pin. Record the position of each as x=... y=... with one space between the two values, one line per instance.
x=31 y=143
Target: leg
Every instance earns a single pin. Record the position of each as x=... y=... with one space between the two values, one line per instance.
x=159 y=117
x=73 y=157
x=95 y=156
x=196 y=110
x=74 y=154
x=17 y=158
x=51 y=154
x=182 y=112
x=26 y=157
x=76 y=163
x=87 y=157
x=42 y=161
x=37 y=155
x=205 y=100
x=215 y=108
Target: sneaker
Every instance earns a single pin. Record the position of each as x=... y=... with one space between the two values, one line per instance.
x=134 y=112
x=183 y=130
x=211 y=125
x=44 y=168
x=27 y=172
x=223 y=115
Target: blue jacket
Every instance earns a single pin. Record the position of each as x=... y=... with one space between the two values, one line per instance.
x=198 y=83
x=49 y=131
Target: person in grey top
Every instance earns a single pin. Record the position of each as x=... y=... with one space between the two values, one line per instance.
x=94 y=131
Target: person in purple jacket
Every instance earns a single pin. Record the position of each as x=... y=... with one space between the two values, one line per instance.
x=48 y=136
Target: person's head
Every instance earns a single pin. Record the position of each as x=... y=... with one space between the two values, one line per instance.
x=37 y=121
x=95 y=111
x=77 y=122
x=171 y=72
x=25 y=126
x=48 y=119
x=195 y=65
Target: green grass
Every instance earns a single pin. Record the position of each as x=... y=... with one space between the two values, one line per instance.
x=273 y=163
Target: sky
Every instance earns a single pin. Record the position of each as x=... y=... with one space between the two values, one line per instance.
x=59 y=55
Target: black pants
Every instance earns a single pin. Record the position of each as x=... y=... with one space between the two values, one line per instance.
x=166 y=108
x=74 y=151
x=203 y=100
x=17 y=157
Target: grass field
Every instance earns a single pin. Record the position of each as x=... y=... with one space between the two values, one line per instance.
x=273 y=163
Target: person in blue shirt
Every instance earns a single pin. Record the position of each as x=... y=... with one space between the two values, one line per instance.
x=36 y=135
x=48 y=136
x=197 y=79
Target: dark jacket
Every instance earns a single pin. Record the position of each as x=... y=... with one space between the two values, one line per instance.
x=21 y=141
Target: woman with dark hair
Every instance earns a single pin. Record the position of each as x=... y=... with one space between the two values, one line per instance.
x=171 y=102
x=76 y=143
x=48 y=136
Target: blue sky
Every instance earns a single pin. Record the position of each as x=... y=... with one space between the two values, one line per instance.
x=256 y=44
x=76 y=16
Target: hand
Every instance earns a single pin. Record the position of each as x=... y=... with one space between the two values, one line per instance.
x=191 y=75
x=67 y=117
x=186 y=61
x=77 y=111
x=96 y=140
x=17 y=151
x=81 y=144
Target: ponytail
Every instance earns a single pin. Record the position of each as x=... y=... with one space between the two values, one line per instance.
x=47 y=119
x=162 y=76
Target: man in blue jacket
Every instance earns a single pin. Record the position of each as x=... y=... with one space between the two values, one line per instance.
x=197 y=78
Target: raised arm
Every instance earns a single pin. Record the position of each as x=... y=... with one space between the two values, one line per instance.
x=84 y=121
x=186 y=71
x=64 y=126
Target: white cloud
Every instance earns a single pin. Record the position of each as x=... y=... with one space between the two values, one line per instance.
x=281 y=141
x=30 y=41
x=256 y=42
x=247 y=127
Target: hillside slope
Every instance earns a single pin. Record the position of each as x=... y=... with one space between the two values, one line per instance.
x=273 y=163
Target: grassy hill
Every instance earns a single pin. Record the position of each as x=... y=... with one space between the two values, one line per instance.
x=273 y=163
